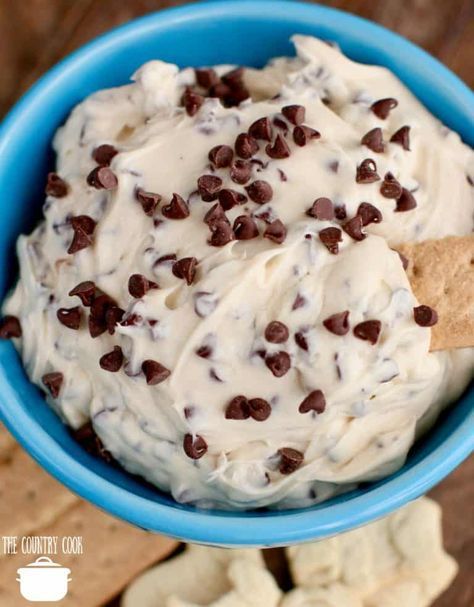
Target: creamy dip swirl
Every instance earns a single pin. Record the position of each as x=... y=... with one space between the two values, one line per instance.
x=337 y=408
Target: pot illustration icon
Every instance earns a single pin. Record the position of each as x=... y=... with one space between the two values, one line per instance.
x=43 y=580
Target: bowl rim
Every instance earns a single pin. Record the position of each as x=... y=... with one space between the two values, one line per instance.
x=207 y=527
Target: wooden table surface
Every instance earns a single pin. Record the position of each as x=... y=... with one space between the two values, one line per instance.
x=34 y=34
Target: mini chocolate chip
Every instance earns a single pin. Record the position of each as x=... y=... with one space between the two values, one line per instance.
x=290 y=460
x=208 y=187
x=231 y=91
x=303 y=134
x=84 y=223
x=369 y=330
x=337 y=323
x=83 y=227
x=215 y=214
x=96 y=326
x=154 y=372
x=185 y=268
x=194 y=446
x=139 y=285
x=330 y=237
x=56 y=186
x=97 y=318
x=80 y=241
x=340 y=212
x=315 y=401
x=245 y=228
x=191 y=101
x=221 y=156
x=368 y=213
x=234 y=77
x=112 y=361
x=221 y=233
x=279 y=123
x=261 y=129
x=276 y=332
x=101 y=303
x=382 y=107
x=425 y=316
x=246 y=146
x=279 y=149
x=91 y=443
x=221 y=91
x=260 y=409
x=279 y=363
x=294 y=113
x=406 y=201
x=402 y=137
x=10 y=327
x=240 y=171
x=275 y=231
x=238 y=408
x=104 y=153
x=148 y=200
x=102 y=178
x=204 y=351
x=53 y=381
x=206 y=77
x=301 y=341
x=85 y=291
x=176 y=209
x=390 y=187
x=236 y=96
x=113 y=317
x=353 y=227
x=70 y=317
x=260 y=191
x=374 y=140
x=230 y=198
x=322 y=208
x=367 y=171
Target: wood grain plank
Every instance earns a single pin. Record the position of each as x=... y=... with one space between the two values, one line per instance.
x=28 y=32
x=456 y=496
x=36 y=34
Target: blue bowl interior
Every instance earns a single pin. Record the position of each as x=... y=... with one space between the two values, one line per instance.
x=246 y=33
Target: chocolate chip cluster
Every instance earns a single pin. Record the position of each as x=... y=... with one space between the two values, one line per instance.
x=275 y=137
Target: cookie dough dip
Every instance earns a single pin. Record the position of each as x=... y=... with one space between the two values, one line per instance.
x=214 y=298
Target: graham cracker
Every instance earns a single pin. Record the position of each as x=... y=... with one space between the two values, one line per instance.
x=114 y=554
x=441 y=273
x=33 y=503
x=30 y=498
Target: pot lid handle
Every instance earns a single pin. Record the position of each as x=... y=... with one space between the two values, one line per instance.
x=44 y=561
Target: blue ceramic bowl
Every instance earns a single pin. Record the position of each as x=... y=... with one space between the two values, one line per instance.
x=202 y=34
